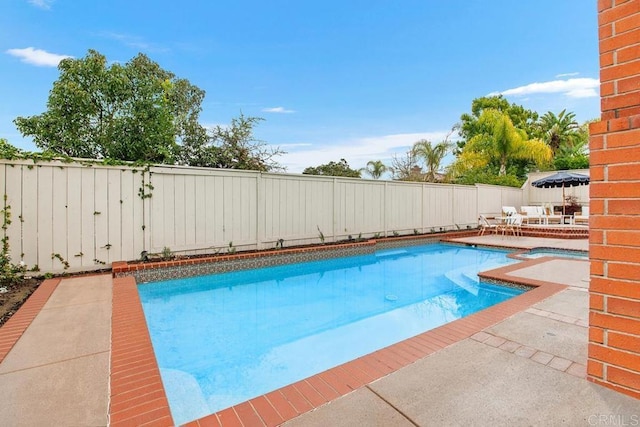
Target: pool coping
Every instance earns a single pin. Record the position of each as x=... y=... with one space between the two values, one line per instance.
x=13 y=328
x=138 y=396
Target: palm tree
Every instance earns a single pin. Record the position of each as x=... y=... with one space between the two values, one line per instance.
x=375 y=169
x=500 y=143
x=432 y=156
x=559 y=130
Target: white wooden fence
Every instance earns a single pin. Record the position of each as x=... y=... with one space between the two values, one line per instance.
x=90 y=216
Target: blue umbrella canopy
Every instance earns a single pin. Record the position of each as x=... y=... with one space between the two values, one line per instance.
x=561 y=179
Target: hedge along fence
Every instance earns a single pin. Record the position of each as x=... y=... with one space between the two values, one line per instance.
x=88 y=216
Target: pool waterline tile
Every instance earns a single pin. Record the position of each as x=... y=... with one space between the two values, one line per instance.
x=338 y=381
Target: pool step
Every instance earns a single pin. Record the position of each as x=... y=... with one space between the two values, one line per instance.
x=465 y=278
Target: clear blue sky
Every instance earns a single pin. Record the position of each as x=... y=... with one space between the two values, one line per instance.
x=355 y=79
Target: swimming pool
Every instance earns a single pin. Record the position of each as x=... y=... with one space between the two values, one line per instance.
x=223 y=339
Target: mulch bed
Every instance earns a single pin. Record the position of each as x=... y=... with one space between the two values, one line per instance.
x=17 y=293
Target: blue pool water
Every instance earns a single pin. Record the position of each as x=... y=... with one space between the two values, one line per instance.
x=226 y=338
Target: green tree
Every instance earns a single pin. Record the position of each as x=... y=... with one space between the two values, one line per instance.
x=470 y=125
x=574 y=153
x=489 y=176
x=133 y=112
x=332 y=168
x=8 y=151
x=232 y=147
x=499 y=144
x=375 y=169
x=432 y=156
x=559 y=130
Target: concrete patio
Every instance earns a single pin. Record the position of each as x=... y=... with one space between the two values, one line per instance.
x=57 y=373
x=528 y=369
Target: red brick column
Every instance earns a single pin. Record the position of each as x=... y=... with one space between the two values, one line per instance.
x=614 y=242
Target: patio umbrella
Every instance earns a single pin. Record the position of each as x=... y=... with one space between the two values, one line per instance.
x=561 y=179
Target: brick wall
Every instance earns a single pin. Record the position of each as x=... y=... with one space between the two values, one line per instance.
x=614 y=319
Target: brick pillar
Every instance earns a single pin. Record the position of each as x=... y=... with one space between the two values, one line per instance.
x=614 y=240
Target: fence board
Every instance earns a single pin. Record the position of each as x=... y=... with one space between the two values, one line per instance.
x=130 y=217
x=191 y=210
x=101 y=216
x=76 y=257
x=180 y=210
x=12 y=189
x=114 y=216
x=30 y=218
x=45 y=219
x=219 y=217
x=87 y=222
x=200 y=215
x=59 y=213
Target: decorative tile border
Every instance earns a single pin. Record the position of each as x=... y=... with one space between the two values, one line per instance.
x=398 y=242
x=165 y=270
x=13 y=329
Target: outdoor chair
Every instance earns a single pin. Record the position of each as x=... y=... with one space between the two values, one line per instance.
x=582 y=217
x=509 y=210
x=534 y=213
x=550 y=216
x=486 y=225
x=513 y=224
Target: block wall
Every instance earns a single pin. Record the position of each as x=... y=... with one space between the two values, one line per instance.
x=614 y=318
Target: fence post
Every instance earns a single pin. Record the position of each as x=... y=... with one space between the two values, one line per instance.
x=260 y=211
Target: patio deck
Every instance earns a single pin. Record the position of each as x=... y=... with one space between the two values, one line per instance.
x=525 y=364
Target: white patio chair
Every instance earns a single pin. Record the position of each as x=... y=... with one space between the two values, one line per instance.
x=533 y=213
x=550 y=216
x=486 y=225
x=583 y=217
x=513 y=224
x=509 y=210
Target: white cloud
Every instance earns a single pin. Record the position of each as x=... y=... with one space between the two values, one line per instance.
x=280 y=110
x=582 y=93
x=357 y=152
x=37 y=57
x=573 y=88
x=559 y=76
x=42 y=4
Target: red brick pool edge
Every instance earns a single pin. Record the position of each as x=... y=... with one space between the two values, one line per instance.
x=138 y=396
x=11 y=331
